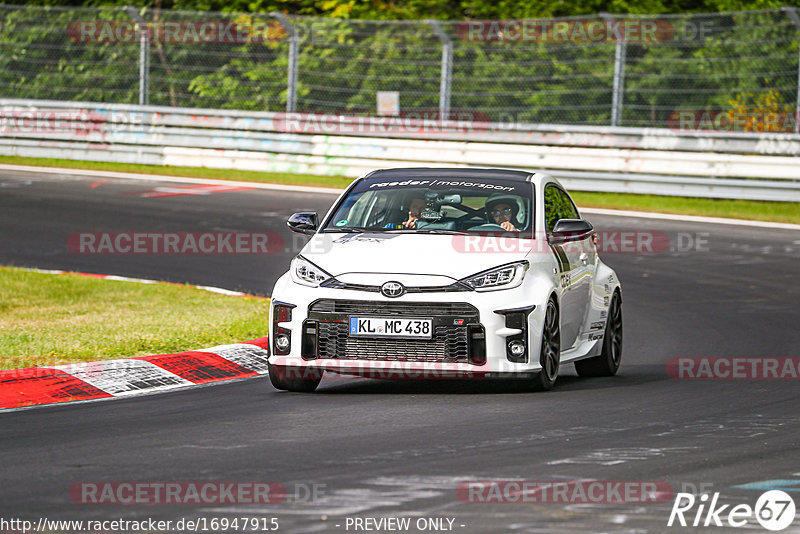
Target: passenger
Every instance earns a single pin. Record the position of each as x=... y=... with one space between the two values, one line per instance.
x=502 y=210
x=414 y=211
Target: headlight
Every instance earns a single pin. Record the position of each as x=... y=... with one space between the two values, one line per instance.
x=503 y=277
x=306 y=273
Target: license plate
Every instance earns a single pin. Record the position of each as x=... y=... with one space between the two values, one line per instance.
x=391 y=327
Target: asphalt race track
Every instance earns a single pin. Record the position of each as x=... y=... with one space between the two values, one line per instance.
x=375 y=449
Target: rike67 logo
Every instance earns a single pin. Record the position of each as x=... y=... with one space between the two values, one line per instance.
x=774 y=510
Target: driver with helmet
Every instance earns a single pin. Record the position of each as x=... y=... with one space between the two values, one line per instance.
x=502 y=210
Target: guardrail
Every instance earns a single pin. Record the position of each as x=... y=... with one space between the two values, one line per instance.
x=662 y=162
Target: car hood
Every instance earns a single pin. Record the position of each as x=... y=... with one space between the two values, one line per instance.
x=453 y=256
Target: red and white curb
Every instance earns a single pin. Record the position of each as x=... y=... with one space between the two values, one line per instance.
x=35 y=386
x=131 y=376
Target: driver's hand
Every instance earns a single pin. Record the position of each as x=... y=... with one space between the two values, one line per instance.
x=508 y=227
x=411 y=222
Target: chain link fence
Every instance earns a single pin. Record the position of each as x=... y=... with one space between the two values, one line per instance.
x=739 y=71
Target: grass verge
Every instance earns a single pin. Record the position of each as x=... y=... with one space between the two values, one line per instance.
x=48 y=319
x=786 y=212
x=190 y=172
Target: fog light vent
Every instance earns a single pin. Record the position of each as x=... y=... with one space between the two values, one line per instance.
x=516 y=348
x=516 y=345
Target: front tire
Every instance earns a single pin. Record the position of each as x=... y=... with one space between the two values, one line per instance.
x=297 y=379
x=608 y=362
x=550 y=352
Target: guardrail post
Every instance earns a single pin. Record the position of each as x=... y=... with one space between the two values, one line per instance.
x=791 y=12
x=446 y=70
x=618 y=89
x=144 y=56
x=294 y=52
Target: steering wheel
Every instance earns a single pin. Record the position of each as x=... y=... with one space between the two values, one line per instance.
x=488 y=227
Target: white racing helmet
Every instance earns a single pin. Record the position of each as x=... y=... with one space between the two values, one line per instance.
x=513 y=201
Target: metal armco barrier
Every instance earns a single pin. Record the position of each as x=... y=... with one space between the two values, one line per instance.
x=662 y=162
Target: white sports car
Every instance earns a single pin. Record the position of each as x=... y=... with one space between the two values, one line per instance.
x=446 y=273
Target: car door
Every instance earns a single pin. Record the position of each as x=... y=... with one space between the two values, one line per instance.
x=586 y=250
x=574 y=258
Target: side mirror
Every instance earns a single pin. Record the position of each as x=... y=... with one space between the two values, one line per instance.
x=303 y=223
x=570 y=230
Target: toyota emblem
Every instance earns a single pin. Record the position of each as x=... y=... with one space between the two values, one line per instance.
x=392 y=289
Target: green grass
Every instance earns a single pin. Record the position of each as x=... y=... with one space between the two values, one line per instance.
x=48 y=319
x=736 y=209
x=287 y=178
x=786 y=212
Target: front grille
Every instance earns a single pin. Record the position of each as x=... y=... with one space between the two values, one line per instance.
x=450 y=342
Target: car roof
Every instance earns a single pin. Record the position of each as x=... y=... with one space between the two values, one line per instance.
x=453 y=172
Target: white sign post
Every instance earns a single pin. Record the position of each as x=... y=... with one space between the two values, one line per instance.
x=388 y=103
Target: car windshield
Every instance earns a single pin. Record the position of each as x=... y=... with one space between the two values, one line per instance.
x=431 y=205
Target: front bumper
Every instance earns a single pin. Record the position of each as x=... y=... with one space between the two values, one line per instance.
x=470 y=338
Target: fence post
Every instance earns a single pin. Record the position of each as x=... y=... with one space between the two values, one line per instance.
x=792 y=14
x=618 y=90
x=294 y=52
x=144 y=56
x=446 y=70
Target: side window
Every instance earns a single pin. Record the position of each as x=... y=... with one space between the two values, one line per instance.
x=557 y=206
x=567 y=209
x=550 y=207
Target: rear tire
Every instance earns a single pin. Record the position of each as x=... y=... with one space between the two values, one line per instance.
x=550 y=352
x=297 y=379
x=608 y=362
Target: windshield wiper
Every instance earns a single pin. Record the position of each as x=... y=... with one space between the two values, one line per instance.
x=424 y=231
x=440 y=231
x=345 y=230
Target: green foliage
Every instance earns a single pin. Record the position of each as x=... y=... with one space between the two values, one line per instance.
x=440 y=9
x=39 y=60
x=703 y=62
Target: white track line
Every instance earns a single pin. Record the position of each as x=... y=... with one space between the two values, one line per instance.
x=332 y=191
x=212 y=289
x=163 y=178
x=691 y=218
